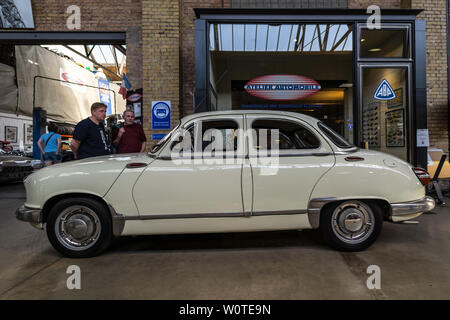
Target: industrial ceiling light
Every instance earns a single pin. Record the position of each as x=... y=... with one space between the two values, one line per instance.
x=375 y=50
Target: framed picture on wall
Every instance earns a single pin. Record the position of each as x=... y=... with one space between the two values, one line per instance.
x=11 y=134
x=28 y=133
x=395 y=128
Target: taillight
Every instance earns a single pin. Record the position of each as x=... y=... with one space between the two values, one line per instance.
x=422 y=175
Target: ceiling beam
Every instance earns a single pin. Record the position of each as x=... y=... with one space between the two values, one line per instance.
x=290 y=38
x=313 y=38
x=216 y=37
x=113 y=51
x=325 y=38
x=335 y=36
x=94 y=62
x=342 y=39
x=297 y=37
x=278 y=39
x=89 y=53
x=319 y=36
x=121 y=49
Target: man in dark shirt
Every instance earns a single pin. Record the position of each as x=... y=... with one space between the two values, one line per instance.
x=89 y=138
x=130 y=138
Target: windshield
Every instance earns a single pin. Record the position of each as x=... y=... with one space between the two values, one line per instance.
x=163 y=141
x=334 y=136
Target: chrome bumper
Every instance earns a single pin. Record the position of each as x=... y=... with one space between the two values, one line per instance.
x=423 y=205
x=29 y=215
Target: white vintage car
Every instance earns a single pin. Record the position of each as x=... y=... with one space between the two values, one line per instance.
x=232 y=171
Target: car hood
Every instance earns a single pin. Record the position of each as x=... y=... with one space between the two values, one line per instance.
x=113 y=158
x=110 y=164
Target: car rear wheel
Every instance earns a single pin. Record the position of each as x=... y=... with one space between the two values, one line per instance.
x=79 y=227
x=351 y=225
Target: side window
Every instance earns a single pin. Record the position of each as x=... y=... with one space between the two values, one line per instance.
x=307 y=139
x=282 y=134
x=212 y=136
x=220 y=135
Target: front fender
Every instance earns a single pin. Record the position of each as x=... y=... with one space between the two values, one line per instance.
x=93 y=176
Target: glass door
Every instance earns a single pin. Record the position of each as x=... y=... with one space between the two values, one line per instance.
x=385 y=111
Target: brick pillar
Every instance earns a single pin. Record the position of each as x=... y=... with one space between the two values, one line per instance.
x=437 y=106
x=161 y=74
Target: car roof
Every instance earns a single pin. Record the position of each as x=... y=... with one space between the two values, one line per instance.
x=250 y=112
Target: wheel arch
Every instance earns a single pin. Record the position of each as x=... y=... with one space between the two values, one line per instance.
x=317 y=206
x=55 y=199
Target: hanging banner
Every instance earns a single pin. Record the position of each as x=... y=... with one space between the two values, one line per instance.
x=282 y=87
x=43 y=77
x=103 y=88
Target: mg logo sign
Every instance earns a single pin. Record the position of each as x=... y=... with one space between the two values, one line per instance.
x=384 y=91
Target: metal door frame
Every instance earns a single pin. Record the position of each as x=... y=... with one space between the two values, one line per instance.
x=410 y=111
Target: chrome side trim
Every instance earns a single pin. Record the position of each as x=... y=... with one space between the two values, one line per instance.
x=29 y=215
x=279 y=213
x=185 y=216
x=257 y=155
x=118 y=221
x=285 y=155
x=213 y=215
x=418 y=206
x=314 y=208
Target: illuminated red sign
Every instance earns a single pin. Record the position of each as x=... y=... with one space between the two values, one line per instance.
x=134 y=97
x=281 y=87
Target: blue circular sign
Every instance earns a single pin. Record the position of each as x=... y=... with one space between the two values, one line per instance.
x=161 y=110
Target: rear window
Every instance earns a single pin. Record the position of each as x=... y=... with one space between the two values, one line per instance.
x=335 y=137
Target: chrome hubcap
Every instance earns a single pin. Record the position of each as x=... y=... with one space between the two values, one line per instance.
x=78 y=228
x=352 y=221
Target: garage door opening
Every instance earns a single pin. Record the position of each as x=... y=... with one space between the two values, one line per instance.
x=51 y=80
x=305 y=68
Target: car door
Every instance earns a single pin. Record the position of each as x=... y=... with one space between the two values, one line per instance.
x=287 y=157
x=200 y=182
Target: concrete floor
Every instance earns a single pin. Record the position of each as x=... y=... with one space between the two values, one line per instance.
x=414 y=261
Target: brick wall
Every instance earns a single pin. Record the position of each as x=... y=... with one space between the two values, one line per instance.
x=187 y=48
x=289 y=3
x=386 y=4
x=117 y=15
x=161 y=61
x=437 y=113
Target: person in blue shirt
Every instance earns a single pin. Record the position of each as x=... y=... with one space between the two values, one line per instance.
x=50 y=145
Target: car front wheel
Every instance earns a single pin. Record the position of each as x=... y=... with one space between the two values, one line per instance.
x=351 y=225
x=79 y=227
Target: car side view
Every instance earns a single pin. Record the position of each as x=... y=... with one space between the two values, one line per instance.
x=230 y=171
